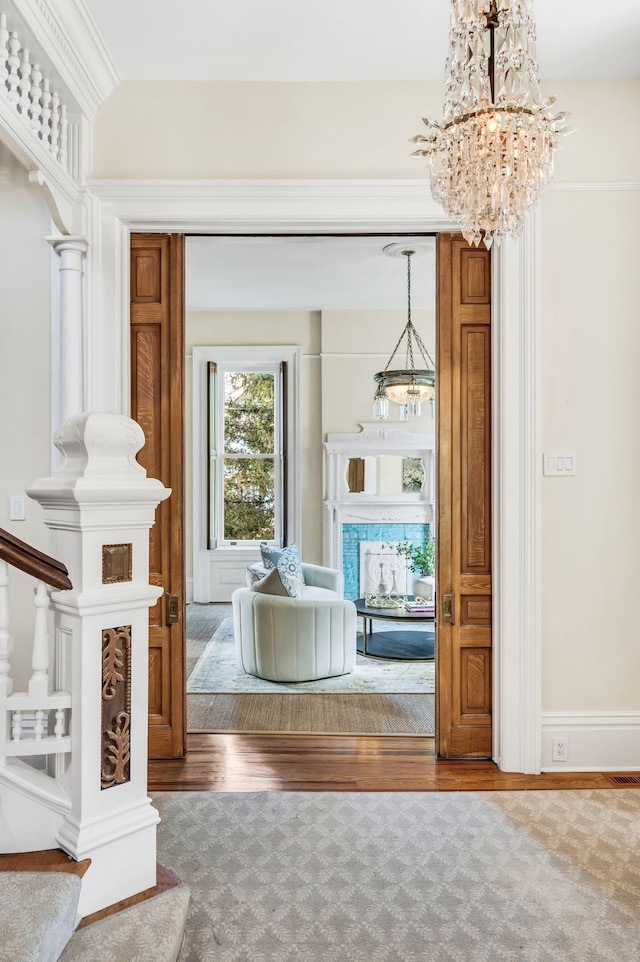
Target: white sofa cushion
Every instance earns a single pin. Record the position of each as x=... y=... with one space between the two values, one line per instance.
x=311 y=592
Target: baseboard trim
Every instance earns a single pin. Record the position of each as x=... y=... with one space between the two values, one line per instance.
x=607 y=741
x=189 y=590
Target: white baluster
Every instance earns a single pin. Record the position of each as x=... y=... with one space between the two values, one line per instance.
x=13 y=61
x=4 y=51
x=64 y=123
x=25 y=84
x=55 y=125
x=6 y=641
x=38 y=727
x=45 y=126
x=58 y=730
x=35 y=98
x=16 y=725
x=39 y=681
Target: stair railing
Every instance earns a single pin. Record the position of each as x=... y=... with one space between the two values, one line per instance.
x=35 y=722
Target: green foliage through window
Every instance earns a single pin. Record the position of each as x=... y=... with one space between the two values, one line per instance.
x=248 y=456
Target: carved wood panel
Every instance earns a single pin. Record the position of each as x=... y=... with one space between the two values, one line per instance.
x=475 y=414
x=116 y=707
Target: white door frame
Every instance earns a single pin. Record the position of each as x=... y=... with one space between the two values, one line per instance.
x=369 y=206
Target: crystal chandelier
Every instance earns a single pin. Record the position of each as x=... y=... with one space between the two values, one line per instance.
x=409 y=386
x=493 y=152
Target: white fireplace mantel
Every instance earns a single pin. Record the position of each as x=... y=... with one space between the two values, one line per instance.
x=346 y=507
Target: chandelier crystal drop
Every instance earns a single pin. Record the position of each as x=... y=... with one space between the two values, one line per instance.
x=408 y=386
x=492 y=154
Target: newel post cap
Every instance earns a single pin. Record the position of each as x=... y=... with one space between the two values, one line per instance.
x=99 y=455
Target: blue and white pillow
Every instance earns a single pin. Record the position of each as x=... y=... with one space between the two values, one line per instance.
x=289 y=566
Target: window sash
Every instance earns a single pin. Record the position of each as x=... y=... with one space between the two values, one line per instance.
x=217 y=454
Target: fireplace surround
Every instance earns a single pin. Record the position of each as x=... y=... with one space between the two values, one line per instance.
x=363 y=522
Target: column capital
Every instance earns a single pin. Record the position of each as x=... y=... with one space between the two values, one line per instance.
x=74 y=243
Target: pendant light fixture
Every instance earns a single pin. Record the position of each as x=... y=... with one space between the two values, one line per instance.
x=492 y=154
x=408 y=386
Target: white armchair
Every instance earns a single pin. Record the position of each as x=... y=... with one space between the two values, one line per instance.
x=296 y=639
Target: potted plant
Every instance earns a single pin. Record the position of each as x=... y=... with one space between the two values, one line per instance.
x=421 y=559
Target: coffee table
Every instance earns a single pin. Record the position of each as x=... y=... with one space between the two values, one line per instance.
x=381 y=644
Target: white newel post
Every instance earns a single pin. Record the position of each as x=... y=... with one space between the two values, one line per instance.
x=100 y=506
x=71 y=252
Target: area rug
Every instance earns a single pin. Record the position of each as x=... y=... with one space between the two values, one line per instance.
x=537 y=876
x=327 y=713
x=216 y=671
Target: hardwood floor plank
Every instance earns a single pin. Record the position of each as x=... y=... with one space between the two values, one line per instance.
x=336 y=763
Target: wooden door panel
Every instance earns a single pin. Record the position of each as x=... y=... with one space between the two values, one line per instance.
x=157 y=324
x=464 y=499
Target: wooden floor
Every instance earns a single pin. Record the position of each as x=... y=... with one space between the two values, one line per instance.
x=338 y=763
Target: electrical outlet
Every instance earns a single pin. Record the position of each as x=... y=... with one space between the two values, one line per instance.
x=560 y=750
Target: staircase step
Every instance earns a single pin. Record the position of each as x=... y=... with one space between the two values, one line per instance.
x=37 y=914
x=47 y=860
x=150 y=931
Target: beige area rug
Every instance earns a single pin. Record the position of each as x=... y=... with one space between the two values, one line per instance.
x=537 y=876
x=319 y=714
x=368 y=712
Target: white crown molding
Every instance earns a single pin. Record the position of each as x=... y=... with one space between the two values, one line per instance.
x=603 y=741
x=67 y=36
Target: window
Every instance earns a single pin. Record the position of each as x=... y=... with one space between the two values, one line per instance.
x=247 y=453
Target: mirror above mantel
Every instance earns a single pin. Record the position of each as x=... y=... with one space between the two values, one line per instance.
x=386 y=462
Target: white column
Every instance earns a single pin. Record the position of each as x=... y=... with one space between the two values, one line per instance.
x=71 y=251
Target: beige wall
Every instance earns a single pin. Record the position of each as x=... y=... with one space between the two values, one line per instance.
x=25 y=362
x=334 y=130
x=590 y=318
x=591 y=405
x=296 y=130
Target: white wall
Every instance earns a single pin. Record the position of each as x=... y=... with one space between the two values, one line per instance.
x=590 y=322
x=25 y=365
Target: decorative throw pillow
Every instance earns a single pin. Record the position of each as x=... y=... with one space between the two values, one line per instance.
x=287 y=561
x=271 y=584
x=254 y=573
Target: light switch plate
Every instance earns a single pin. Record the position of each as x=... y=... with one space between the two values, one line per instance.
x=560 y=464
x=17 y=510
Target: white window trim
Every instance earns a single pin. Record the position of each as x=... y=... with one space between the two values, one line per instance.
x=203 y=556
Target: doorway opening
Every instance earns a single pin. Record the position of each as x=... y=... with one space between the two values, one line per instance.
x=341 y=303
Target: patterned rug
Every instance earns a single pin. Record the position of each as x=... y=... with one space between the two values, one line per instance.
x=537 y=876
x=216 y=671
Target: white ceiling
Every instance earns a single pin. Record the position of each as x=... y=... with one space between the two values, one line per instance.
x=325 y=40
x=305 y=274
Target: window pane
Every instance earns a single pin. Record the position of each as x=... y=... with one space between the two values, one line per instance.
x=249 y=499
x=249 y=412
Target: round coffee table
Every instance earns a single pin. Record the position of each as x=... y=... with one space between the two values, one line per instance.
x=395 y=645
